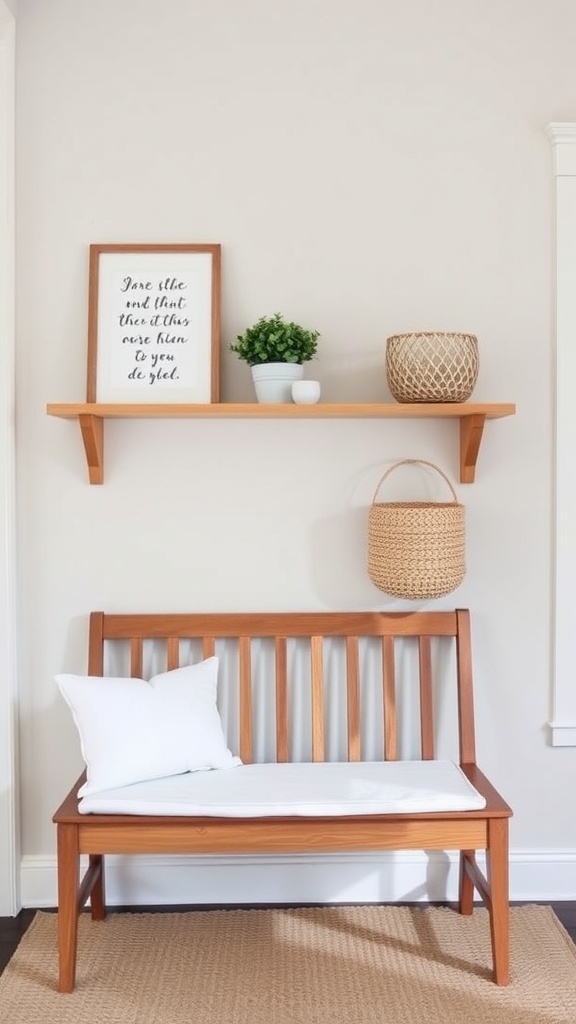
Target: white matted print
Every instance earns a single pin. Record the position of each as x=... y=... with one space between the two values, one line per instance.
x=154 y=323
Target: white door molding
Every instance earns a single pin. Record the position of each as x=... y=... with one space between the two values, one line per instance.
x=9 y=831
x=563 y=723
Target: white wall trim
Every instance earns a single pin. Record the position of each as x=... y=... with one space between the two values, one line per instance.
x=411 y=876
x=563 y=724
x=9 y=845
x=562 y=735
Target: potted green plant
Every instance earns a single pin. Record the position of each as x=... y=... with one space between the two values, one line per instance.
x=276 y=350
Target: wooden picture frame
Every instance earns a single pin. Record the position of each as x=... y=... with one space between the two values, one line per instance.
x=154 y=323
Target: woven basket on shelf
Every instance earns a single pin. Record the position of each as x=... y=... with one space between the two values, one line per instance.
x=416 y=549
x=432 y=366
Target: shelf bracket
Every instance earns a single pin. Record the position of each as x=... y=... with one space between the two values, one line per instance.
x=471 y=430
x=92 y=428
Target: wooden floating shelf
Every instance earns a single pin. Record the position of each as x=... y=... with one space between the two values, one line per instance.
x=472 y=417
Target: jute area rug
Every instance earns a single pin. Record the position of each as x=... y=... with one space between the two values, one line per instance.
x=334 y=965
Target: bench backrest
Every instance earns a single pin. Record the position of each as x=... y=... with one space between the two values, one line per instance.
x=345 y=659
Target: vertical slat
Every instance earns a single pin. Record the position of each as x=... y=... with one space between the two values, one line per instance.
x=426 y=709
x=96 y=644
x=389 y=693
x=172 y=652
x=245 y=715
x=317 y=669
x=136 y=660
x=281 y=701
x=353 y=698
x=208 y=647
x=465 y=689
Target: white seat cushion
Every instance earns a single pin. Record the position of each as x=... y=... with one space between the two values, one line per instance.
x=320 y=789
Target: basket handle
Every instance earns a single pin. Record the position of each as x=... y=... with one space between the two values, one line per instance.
x=412 y=462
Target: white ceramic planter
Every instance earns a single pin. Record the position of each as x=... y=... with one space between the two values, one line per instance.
x=273 y=381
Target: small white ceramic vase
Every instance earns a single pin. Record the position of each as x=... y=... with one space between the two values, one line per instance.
x=305 y=392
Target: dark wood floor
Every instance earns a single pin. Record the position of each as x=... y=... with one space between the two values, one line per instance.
x=12 y=928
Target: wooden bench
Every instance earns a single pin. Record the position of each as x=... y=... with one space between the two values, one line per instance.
x=369 y=645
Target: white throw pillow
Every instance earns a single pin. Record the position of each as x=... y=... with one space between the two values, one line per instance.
x=132 y=730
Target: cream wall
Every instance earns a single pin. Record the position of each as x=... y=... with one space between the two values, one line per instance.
x=368 y=168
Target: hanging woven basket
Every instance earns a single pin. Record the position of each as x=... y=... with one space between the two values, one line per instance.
x=416 y=549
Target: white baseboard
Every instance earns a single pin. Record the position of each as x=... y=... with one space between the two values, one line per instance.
x=339 y=878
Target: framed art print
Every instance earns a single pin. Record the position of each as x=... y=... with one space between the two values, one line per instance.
x=154 y=323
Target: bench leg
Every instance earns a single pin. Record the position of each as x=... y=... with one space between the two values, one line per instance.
x=497 y=864
x=97 y=894
x=68 y=909
x=466 y=883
